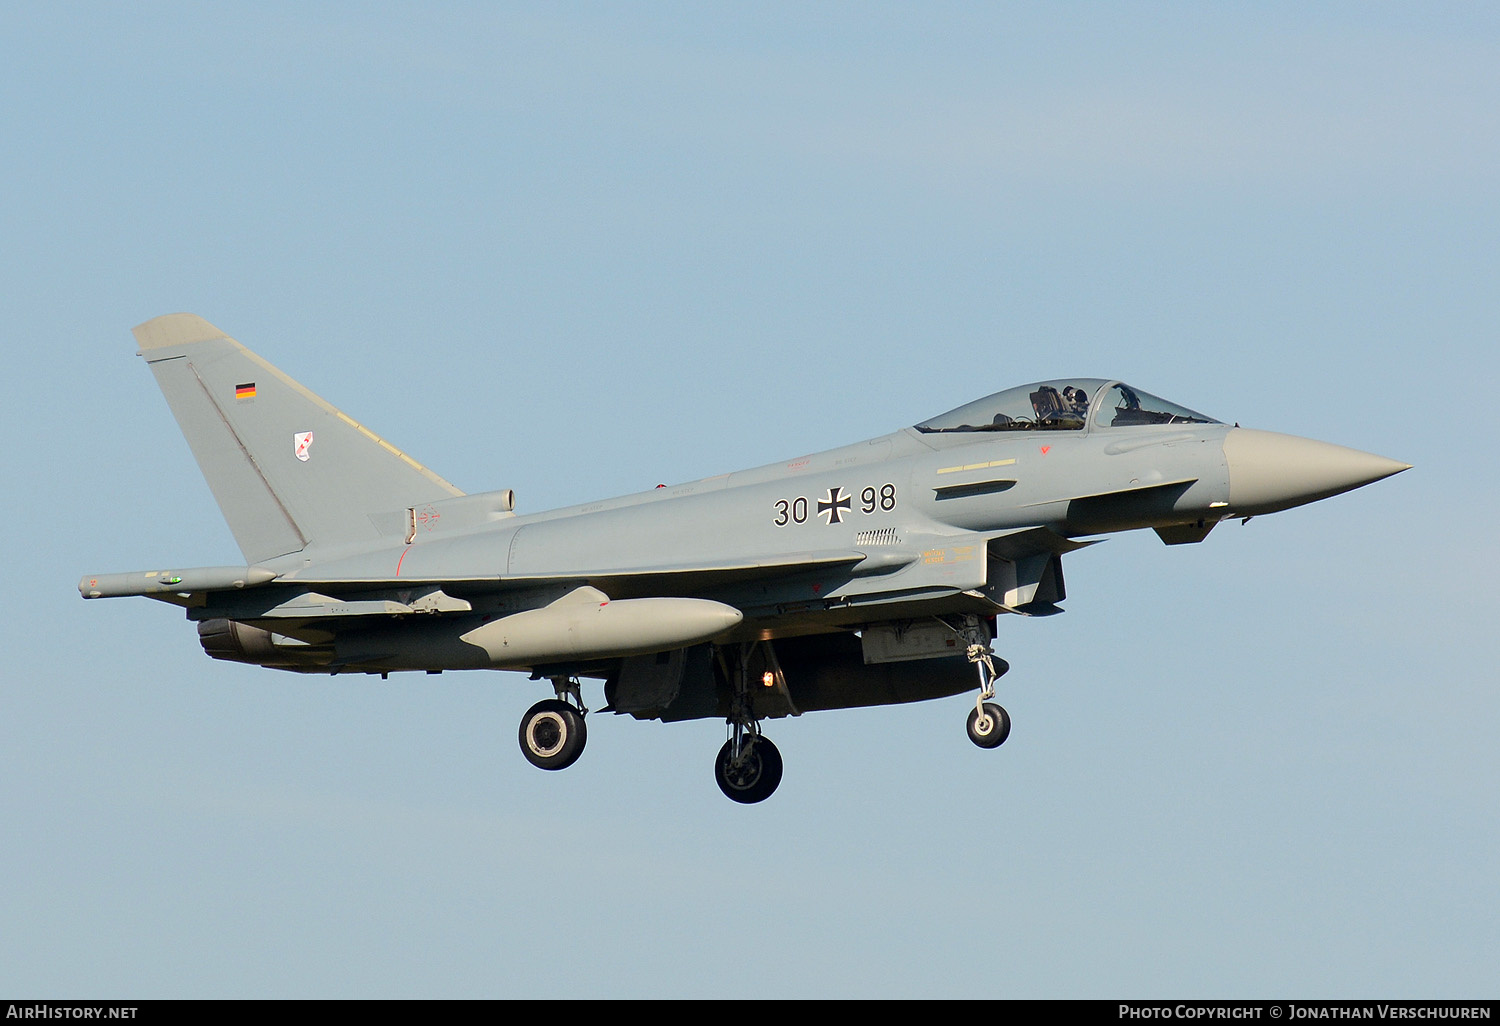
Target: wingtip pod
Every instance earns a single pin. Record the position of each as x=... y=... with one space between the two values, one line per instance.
x=178 y=329
x=161 y=582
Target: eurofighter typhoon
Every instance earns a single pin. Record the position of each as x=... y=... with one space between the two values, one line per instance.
x=870 y=574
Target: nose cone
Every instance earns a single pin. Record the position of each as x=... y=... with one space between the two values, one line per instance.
x=1269 y=472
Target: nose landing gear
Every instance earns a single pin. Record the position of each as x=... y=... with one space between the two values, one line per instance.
x=989 y=723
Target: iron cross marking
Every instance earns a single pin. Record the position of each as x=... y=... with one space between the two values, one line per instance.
x=834 y=505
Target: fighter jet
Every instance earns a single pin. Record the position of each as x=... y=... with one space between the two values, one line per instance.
x=870 y=574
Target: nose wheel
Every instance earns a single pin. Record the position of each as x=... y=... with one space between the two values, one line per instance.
x=989 y=725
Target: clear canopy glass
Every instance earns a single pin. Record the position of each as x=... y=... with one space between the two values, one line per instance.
x=1063 y=405
x=1123 y=406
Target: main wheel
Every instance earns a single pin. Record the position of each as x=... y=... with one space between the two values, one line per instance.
x=756 y=776
x=991 y=729
x=552 y=735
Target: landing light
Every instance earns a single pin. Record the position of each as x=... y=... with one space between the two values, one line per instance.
x=768 y=679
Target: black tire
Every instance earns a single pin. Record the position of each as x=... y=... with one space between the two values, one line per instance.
x=552 y=735
x=994 y=730
x=757 y=776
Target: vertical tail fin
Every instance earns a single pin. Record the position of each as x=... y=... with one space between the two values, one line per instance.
x=286 y=468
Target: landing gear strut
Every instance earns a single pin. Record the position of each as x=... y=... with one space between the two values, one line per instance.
x=552 y=732
x=748 y=767
x=989 y=723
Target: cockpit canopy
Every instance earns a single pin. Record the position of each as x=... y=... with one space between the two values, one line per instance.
x=1064 y=405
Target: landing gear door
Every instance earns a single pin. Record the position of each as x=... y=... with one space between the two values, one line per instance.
x=676 y=685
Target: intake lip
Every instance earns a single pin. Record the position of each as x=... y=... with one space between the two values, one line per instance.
x=1270 y=471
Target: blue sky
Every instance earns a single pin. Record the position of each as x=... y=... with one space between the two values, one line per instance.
x=580 y=249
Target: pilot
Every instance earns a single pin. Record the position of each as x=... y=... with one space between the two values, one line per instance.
x=1077 y=399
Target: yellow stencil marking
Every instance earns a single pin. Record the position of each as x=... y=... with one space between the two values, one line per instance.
x=977 y=466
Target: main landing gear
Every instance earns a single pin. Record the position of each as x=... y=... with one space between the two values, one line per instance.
x=748 y=767
x=552 y=732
